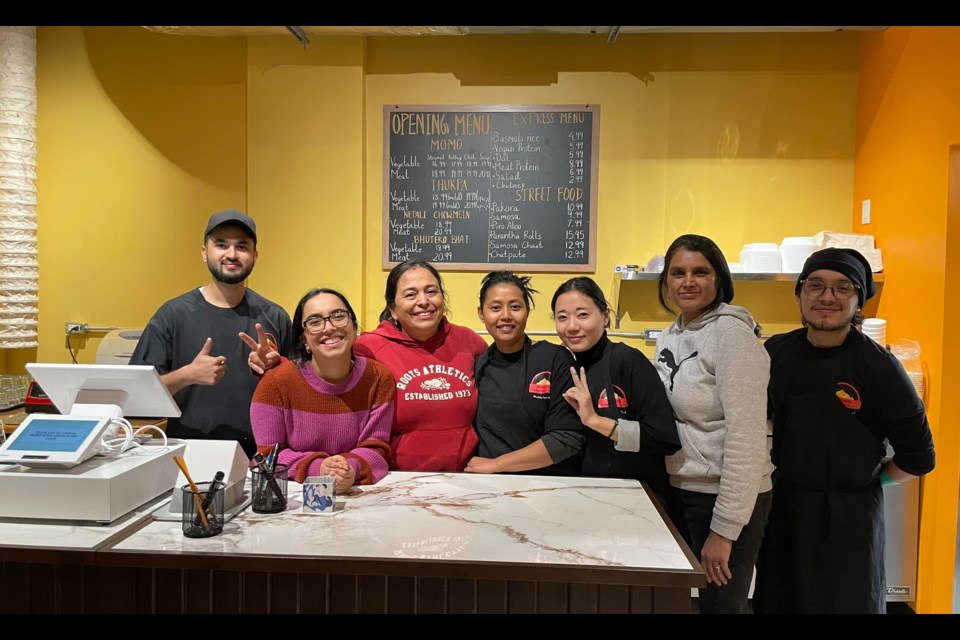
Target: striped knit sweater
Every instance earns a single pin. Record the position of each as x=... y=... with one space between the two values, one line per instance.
x=313 y=419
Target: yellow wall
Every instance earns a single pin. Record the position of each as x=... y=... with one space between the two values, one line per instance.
x=141 y=137
x=907 y=120
x=305 y=171
x=744 y=138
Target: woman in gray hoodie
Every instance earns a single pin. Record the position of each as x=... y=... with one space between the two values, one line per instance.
x=715 y=372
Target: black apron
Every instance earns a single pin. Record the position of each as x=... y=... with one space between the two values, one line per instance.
x=824 y=546
x=601 y=458
x=503 y=425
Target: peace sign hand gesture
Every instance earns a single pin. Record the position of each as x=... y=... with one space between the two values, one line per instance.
x=263 y=354
x=578 y=396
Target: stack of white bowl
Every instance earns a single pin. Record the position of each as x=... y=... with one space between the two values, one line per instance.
x=760 y=257
x=876 y=328
x=794 y=252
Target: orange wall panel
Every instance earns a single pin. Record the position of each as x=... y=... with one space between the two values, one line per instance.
x=907 y=120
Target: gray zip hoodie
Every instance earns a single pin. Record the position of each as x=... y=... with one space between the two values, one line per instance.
x=715 y=372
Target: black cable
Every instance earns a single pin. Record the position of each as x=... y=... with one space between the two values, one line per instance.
x=70 y=345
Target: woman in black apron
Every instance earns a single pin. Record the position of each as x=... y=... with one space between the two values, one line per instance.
x=522 y=420
x=616 y=393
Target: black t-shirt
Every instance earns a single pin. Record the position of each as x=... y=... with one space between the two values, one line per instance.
x=521 y=401
x=174 y=337
x=859 y=375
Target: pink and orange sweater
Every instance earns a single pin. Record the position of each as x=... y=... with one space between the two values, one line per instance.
x=313 y=419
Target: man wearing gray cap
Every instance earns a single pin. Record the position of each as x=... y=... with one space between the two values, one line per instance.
x=836 y=399
x=193 y=340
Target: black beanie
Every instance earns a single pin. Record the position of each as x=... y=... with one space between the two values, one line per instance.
x=849 y=262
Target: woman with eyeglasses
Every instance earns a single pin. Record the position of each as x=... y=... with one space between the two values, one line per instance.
x=432 y=361
x=329 y=410
x=715 y=373
x=523 y=421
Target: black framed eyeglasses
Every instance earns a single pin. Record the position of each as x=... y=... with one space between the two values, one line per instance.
x=315 y=324
x=843 y=290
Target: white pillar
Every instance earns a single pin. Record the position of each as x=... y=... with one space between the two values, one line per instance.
x=19 y=275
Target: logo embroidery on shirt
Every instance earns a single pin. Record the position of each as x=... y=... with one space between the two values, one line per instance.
x=849 y=396
x=540 y=384
x=666 y=357
x=435 y=384
x=621 y=398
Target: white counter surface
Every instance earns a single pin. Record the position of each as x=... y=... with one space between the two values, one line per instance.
x=69 y=535
x=456 y=517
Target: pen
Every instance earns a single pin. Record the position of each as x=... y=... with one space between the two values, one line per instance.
x=274 y=455
x=196 y=492
x=265 y=470
x=208 y=498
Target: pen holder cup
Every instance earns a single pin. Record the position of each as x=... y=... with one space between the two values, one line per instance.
x=268 y=490
x=207 y=500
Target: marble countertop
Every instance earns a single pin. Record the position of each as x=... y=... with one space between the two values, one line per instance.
x=598 y=522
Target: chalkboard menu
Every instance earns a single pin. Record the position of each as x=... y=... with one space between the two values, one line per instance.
x=491 y=187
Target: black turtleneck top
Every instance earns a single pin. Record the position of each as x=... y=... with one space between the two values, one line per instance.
x=639 y=398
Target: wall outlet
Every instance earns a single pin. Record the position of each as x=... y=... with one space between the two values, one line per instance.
x=865 y=212
x=75 y=327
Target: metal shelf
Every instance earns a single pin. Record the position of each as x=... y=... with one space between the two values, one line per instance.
x=760 y=277
x=650 y=276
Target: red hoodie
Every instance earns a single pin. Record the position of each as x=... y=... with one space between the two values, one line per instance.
x=436 y=395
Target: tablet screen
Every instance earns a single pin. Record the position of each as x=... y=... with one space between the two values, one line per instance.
x=53 y=435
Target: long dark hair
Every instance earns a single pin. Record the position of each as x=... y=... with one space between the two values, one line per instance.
x=709 y=249
x=508 y=277
x=299 y=349
x=393 y=281
x=589 y=288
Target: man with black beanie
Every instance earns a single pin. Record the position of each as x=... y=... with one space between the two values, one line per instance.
x=836 y=400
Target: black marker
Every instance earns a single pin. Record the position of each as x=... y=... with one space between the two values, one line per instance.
x=208 y=498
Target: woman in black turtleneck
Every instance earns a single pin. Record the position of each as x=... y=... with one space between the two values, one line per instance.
x=617 y=393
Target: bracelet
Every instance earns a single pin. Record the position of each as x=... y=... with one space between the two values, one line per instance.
x=616 y=423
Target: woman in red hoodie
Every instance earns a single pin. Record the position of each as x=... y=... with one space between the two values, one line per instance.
x=432 y=361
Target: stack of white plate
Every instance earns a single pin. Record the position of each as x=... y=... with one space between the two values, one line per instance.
x=760 y=257
x=795 y=251
x=876 y=328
